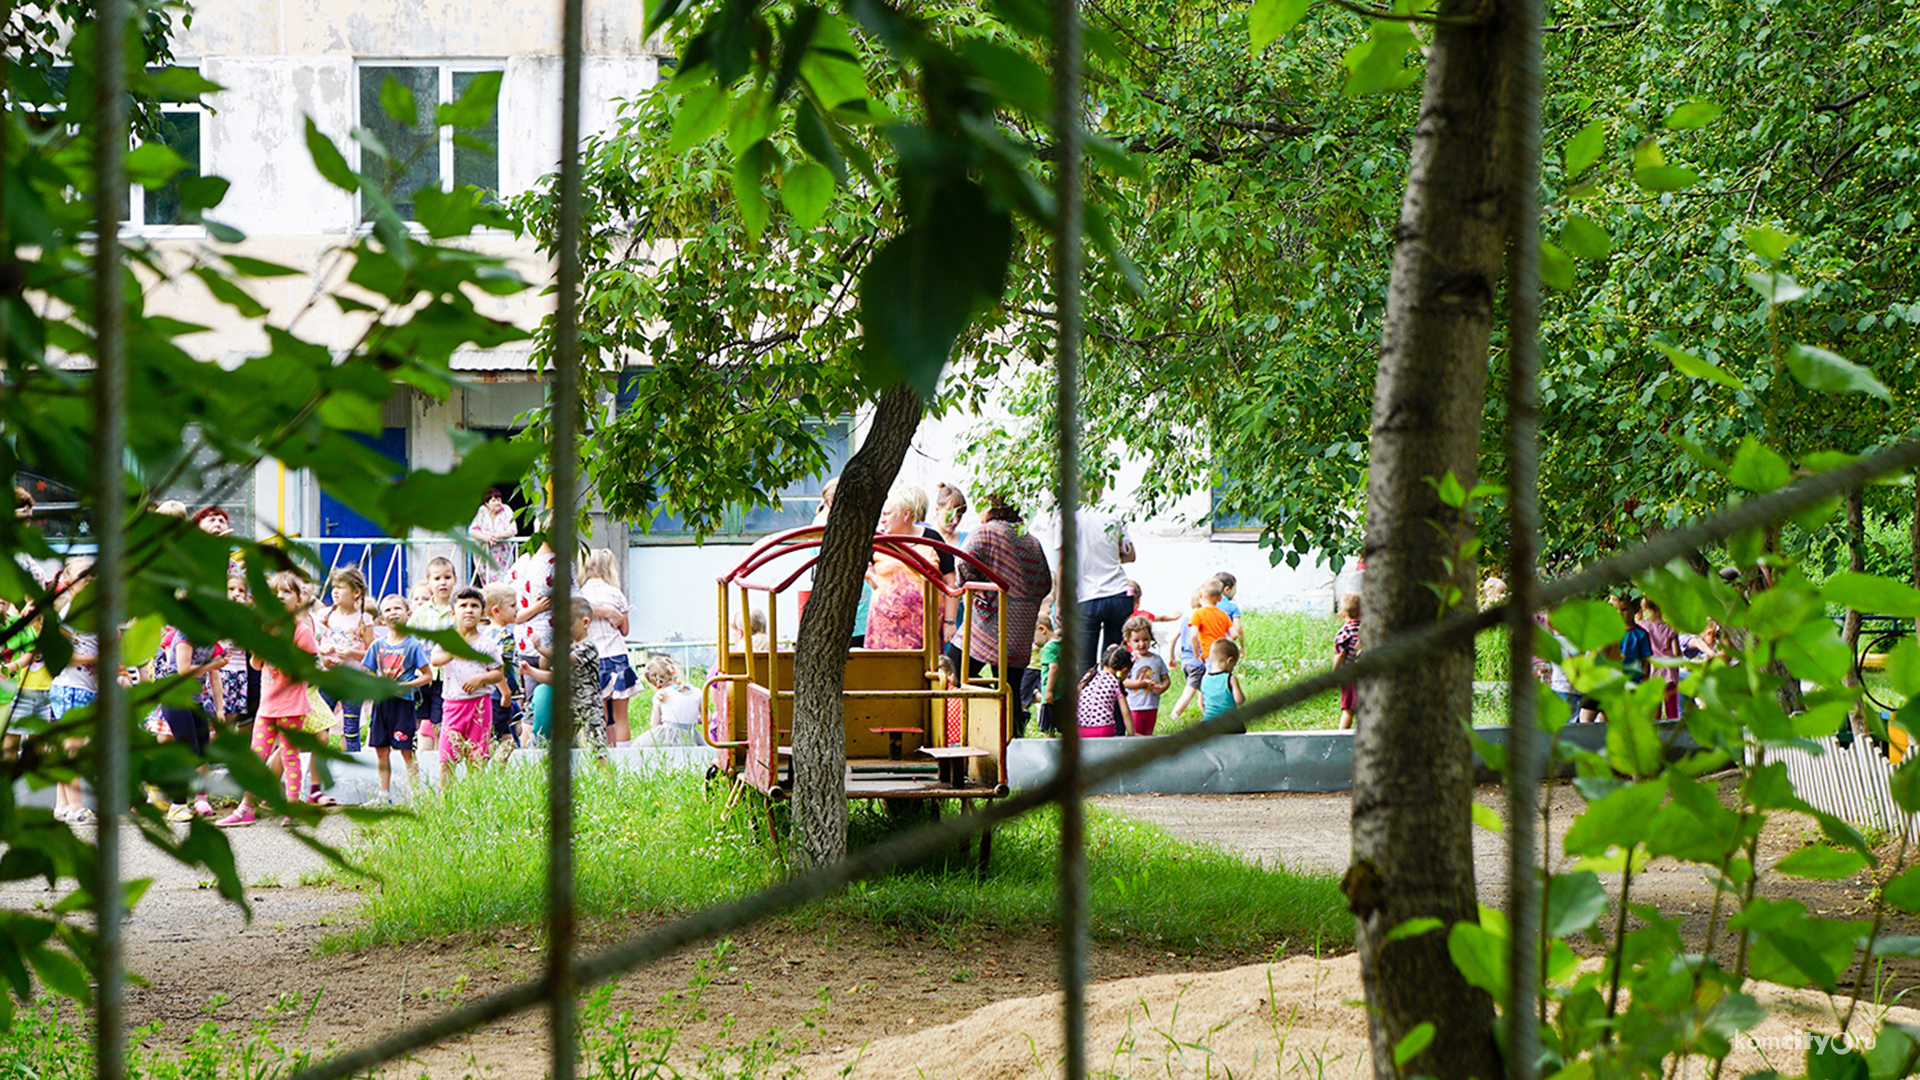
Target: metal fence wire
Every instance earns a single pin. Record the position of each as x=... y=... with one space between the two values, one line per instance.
x=568 y=973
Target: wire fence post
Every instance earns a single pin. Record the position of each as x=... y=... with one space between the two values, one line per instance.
x=1066 y=291
x=1525 y=741
x=564 y=456
x=110 y=737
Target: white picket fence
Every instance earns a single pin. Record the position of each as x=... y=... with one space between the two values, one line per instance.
x=1853 y=784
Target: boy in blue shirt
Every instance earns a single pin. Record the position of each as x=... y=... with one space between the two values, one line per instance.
x=403 y=658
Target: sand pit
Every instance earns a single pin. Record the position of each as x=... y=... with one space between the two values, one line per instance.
x=1297 y=1018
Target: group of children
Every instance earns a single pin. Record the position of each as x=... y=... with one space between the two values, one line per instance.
x=463 y=703
x=1120 y=695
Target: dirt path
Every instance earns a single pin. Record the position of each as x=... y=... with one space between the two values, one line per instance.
x=831 y=989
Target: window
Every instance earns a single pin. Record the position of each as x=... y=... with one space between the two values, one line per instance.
x=178 y=129
x=1226 y=525
x=424 y=153
x=162 y=207
x=799 y=502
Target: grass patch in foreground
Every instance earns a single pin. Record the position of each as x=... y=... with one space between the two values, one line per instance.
x=660 y=844
x=1143 y=886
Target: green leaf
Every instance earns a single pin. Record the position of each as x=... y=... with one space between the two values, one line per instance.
x=1818 y=369
x=1665 y=177
x=1905 y=784
x=327 y=158
x=1415 y=1041
x=1379 y=63
x=1589 y=624
x=1556 y=267
x=1758 y=469
x=1893 y=1052
x=1903 y=891
x=152 y=164
x=1617 y=820
x=1481 y=957
x=1822 y=862
x=816 y=140
x=1835 y=1061
x=1271 y=19
x=141 y=640
x=1485 y=817
x=1586 y=146
x=1633 y=743
x=700 y=114
x=1414 y=928
x=351 y=412
x=1774 y=287
x=1692 y=114
x=250 y=267
x=183 y=84
x=925 y=284
x=1871 y=594
x=835 y=80
x=1011 y=76
x=1767 y=243
x=1585 y=240
x=62 y=974
x=1903 y=667
x=475 y=105
x=748 y=195
x=224 y=290
x=1575 y=901
x=805 y=191
x=1690 y=365
x=397 y=101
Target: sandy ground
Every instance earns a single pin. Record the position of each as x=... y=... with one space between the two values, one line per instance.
x=828 y=999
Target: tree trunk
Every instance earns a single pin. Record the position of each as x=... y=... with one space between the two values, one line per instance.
x=1850 y=630
x=1412 y=782
x=820 y=654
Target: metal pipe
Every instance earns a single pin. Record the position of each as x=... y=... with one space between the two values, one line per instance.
x=111 y=718
x=1066 y=291
x=1524 y=737
x=564 y=456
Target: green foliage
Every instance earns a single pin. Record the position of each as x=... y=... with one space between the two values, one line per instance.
x=663 y=844
x=52 y=1040
x=1649 y=1003
x=844 y=220
x=196 y=426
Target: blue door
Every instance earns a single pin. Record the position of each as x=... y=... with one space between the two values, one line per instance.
x=347 y=539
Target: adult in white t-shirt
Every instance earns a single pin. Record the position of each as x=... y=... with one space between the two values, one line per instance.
x=1103 y=548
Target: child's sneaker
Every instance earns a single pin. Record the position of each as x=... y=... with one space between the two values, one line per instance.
x=180 y=813
x=242 y=816
x=202 y=807
x=82 y=816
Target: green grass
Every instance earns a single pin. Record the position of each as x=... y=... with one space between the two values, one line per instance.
x=1283 y=647
x=662 y=844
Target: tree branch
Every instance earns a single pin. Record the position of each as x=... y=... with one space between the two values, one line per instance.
x=1845 y=103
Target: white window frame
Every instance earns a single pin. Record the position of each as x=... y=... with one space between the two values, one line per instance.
x=445 y=70
x=136 y=223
